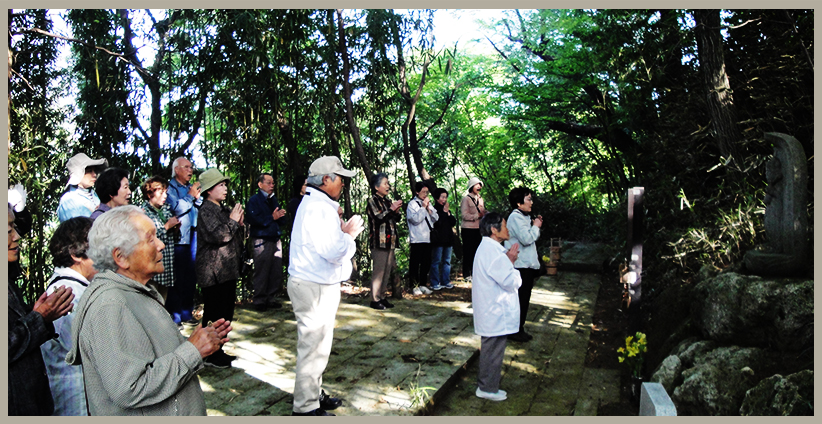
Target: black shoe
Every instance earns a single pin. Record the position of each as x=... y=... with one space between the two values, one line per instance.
x=518 y=337
x=386 y=303
x=274 y=305
x=319 y=412
x=259 y=307
x=530 y=337
x=377 y=305
x=328 y=403
x=217 y=361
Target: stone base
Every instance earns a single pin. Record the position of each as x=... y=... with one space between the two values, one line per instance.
x=774 y=264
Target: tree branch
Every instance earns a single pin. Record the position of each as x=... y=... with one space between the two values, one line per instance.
x=74 y=40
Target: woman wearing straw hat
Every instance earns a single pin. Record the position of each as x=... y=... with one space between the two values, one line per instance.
x=219 y=255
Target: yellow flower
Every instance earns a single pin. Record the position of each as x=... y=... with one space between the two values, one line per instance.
x=545 y=258
x=621 y=359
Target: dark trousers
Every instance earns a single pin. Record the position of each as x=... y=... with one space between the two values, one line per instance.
x=268 y=270
x=218 y=302
x=419 y=264
x=528 y=277
x=180 y=300
x=471 y=239
x=492 y=352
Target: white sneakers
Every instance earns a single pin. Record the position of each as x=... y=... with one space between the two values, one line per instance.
x=425 y=290
x=496 y=397
x=416 y=291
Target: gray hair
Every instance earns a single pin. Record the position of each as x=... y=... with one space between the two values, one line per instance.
x=489 y=221
x=174 y=166
x=111 y=230
x=317 y=180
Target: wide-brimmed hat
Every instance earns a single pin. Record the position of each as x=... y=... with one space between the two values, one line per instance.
x=77 y=165
x=329 y=165
x=472 y=182
x=209 y=178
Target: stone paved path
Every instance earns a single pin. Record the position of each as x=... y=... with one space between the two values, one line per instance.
x=383 y=360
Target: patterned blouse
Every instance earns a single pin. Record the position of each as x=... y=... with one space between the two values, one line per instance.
x=382 y=223
x=170 y=238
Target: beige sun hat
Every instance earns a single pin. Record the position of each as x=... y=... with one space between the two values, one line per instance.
x=472 y=182
x=209 y=178
x=77 y=165
x=329 y=165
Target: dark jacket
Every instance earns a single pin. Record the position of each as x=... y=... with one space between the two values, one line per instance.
x=29 y=392
x=258 y=212
x=382 y=223
x=219 y=246
x=443 y=232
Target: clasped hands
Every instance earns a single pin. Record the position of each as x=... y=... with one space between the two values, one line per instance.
x=210 y=338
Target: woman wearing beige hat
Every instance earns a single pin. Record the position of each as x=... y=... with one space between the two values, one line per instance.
x=79 y=199
x=219 y=255
x=472 y=210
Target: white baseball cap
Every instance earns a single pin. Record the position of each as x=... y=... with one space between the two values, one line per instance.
x=329 y=165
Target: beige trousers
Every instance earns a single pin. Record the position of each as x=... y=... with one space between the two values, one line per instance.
x=384 y=262
x=315 y=306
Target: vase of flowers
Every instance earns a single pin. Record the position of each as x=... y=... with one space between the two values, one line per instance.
x=633 y=355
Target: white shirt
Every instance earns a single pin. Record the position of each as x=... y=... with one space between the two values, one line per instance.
x=494 y=291
x=320 y=251
x=419 y=220
x=66 y=381
x=521 y=231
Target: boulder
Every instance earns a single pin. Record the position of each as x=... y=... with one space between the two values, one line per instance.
x=778 y=395
x=750 y=310
x=718 y=381
x=668 y=373
x=690 y=348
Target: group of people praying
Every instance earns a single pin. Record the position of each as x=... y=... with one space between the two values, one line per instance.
x=105 y=337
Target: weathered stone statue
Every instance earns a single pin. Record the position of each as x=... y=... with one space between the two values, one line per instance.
x=786 y=252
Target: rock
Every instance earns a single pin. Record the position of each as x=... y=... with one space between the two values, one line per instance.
x=754 y=311
x=705 y=272
x=690 y=348
x=668 y=373
x=717 y=384
x=778 y=395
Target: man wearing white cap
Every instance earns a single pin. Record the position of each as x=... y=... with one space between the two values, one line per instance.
x=320 y=258
x=79 y=199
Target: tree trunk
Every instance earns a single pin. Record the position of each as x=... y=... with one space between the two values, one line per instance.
x=719 y=96
x=349 y=105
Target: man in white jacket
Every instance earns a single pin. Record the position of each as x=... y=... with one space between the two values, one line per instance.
x=320 y=259
x=495 y=302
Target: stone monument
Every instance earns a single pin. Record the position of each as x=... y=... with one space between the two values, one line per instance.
x=787 y=250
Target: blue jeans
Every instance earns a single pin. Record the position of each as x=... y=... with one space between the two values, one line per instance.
x=440 y=255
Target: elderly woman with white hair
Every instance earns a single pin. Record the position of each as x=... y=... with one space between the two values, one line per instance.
x=135 y=361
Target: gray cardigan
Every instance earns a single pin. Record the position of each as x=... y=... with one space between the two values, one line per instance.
x=135 y=361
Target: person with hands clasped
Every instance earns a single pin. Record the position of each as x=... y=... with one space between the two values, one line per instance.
x=421 y=217
x=29 y=328
x=442 y=241
x=184 y=199
x=383 y=215
x=266 y=218
x=495 y=303
x=219 y=255
x=155 y=192
x=525 y=232
x=135 y=361
x=319 y=260
x=472 y=209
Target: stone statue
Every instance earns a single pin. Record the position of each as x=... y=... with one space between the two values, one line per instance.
x=786 y=252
